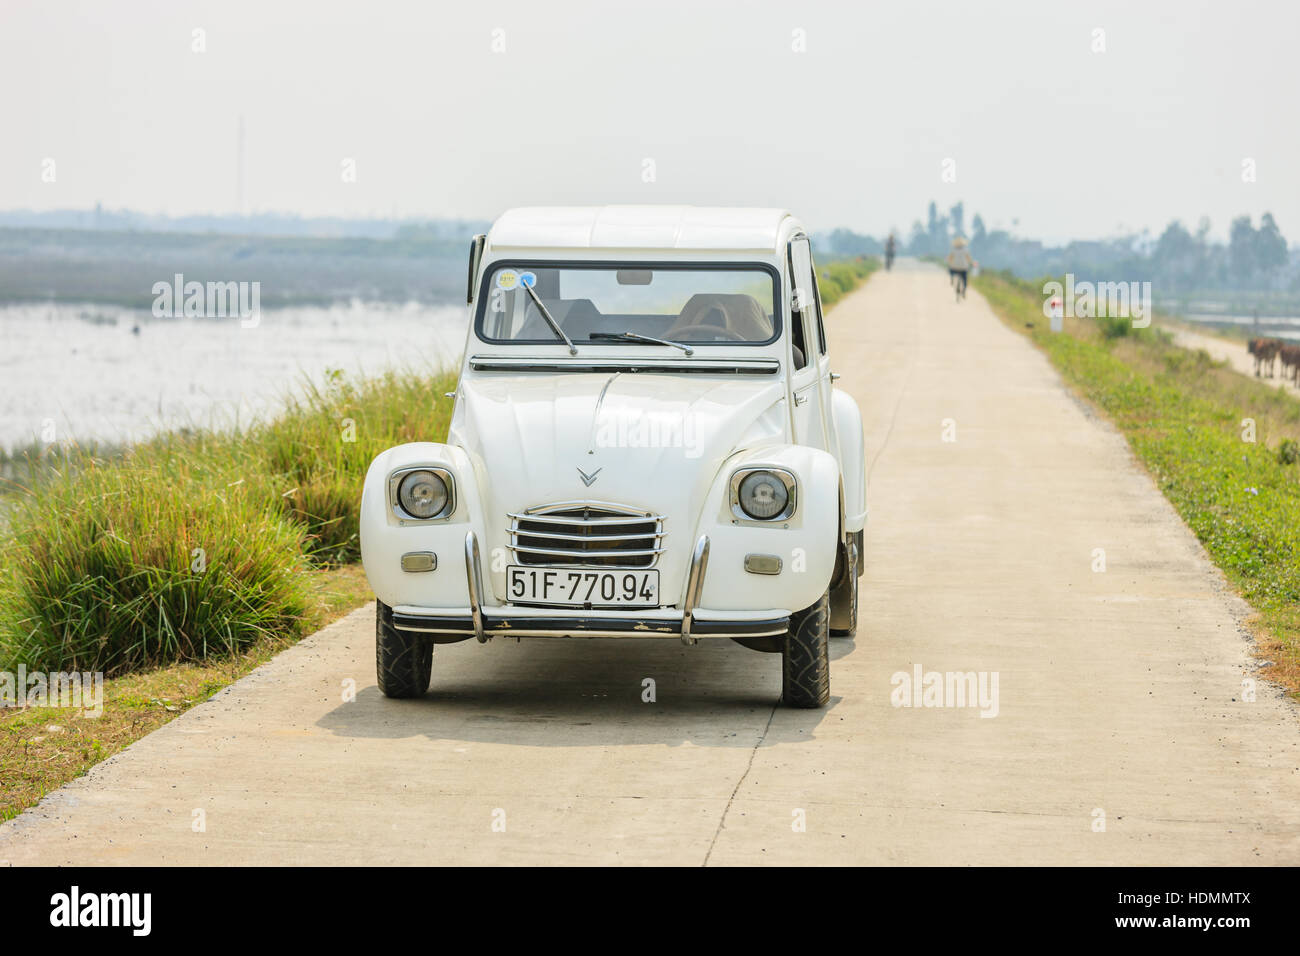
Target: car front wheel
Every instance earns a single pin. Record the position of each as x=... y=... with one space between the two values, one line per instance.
x=403 y=661
x=805 y=659
x=844 y=590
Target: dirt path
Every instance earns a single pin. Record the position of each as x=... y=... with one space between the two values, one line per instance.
x=1119 y=693
x=1234 y=353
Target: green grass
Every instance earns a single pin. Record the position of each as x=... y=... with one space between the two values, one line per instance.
x=1183 y=414
x=42 y=748
x=197 y=544
x=838 y=278
x=314 y=457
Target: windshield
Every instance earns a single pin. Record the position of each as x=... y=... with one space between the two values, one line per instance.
x=601 y=305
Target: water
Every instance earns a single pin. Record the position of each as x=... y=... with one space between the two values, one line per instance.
x=1277 y=327
x=83 y=370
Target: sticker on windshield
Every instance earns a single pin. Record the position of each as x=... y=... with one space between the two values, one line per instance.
x=507 y=279
x=527 y=279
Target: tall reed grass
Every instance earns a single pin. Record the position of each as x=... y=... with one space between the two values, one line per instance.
x=197 y=543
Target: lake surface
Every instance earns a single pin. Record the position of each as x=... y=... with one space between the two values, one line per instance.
x=1278 y=327
x=118 y=375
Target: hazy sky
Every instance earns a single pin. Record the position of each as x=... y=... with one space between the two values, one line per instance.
x=854 y=130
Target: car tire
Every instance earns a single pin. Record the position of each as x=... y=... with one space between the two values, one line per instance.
x=403 y=661
x=844 y=590
x=806 y=659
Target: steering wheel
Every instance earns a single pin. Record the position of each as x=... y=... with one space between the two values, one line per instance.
x=715 y=330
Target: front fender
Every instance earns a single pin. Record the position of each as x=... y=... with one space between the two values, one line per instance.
x=806 y=542
x=385 y=537
x=847 y=419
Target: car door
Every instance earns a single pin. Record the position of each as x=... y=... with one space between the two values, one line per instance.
x=825 y=377
x=809 y=383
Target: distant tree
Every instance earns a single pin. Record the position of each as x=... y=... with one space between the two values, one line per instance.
x=936 y=230
x=1179 y=261
x=1241 y=249
x=1174 y=258
x=1270 y=247
x=845 y=243
x=918 y=244
x=1210 y=258
x=957 y=217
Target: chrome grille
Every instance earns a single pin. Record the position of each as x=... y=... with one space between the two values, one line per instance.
x=586 y=534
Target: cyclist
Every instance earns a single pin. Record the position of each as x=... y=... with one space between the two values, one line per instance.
x=959 y=265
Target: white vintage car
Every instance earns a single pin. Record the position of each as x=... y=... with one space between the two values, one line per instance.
x=646 y=443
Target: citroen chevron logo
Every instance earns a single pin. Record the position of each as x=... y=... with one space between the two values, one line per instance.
x=587 y=479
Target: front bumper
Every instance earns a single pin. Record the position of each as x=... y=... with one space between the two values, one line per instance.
x=687 y=623
x=550 y=622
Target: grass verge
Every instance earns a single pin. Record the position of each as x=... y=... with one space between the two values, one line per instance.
x=1221 y=446
x=838 y=278
x=42 y=748
x=178 y=565
x=198 y=544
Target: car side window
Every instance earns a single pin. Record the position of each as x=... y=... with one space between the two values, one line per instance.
x=817 y=306
x=805 y=287
x=798 y=285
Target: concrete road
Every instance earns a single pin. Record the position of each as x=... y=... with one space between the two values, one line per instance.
x=1234 y=353
x=1121 y=734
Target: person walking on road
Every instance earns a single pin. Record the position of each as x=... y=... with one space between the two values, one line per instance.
x=960 y=264
x=891 y=246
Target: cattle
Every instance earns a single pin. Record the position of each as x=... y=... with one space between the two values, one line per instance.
x=1290 y=355
x=1265 y=352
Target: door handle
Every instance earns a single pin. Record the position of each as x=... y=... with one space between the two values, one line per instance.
x=801 y=399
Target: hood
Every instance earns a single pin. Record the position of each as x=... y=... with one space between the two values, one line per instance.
x=648 y=441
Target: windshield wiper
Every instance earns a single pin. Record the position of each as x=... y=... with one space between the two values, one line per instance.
x=555 y=326
x=638 y=337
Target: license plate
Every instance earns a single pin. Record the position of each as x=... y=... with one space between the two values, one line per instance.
x=578 y=587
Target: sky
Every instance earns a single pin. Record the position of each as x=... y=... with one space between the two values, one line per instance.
x=1058 y=120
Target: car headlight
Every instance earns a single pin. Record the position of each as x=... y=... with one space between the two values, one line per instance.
x=424 y=493
x=763 y=494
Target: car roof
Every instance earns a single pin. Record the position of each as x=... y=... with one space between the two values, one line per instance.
x=639 y=227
